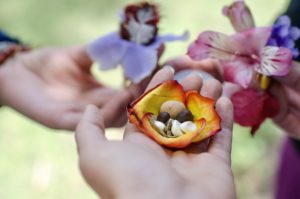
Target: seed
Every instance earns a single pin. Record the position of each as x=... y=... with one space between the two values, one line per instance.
x=172 y=107
x=163 y=117
x=159 y=125
x=176 y=130
x=188 y=127
x=184 y=116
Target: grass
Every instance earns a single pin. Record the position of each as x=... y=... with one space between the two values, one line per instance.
x=37 y=162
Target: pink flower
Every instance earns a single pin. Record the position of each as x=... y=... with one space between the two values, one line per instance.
x=239 y=15
x=252 y=107
x=243 y=54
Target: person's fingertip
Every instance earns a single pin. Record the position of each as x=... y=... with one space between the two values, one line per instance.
x=90 y=130
x=169 y=68
x=91 y=116
x=163 y=75
x=211 y=88
x=192 y=82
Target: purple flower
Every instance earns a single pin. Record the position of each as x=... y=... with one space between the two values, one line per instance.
x=135 y=46
x=285 y=35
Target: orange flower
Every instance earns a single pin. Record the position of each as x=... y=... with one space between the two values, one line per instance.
x=144 y=111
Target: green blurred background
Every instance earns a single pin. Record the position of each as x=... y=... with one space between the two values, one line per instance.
x=37 y=162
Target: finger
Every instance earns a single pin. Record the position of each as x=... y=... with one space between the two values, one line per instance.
x=68 y=121
x=80 y=55
x=295 y=111
x=292 y=79
x=229 y=89
x=221 y=143
x=192 y=82
x=211 y=88
x=279 y=91
x=115 y=109
x=99 y=96
x=293 y=98
x=291 y=125
x=165 y=74
x=90 y=130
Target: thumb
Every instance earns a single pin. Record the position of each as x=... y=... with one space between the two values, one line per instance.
x=90 y=130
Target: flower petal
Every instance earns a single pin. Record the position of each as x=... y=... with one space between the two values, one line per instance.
x=237 y=72
x=239 y=15
x=107 y=51
x=251 y=41
x=176 y=142
x=212 y=44
x=275 y=61
x=203 y=108
x=169 y=38
x=252 y=107
x=220 y=46
x=139 y=62
x=151 y=101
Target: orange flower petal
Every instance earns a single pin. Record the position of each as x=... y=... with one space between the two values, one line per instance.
x=176 y=142
x=203 y=107
x=151 y=101
x=148 y=105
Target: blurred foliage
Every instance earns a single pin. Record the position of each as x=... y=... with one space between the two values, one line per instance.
x=37 y=162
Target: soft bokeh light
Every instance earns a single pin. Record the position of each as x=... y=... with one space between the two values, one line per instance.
x=37 y=162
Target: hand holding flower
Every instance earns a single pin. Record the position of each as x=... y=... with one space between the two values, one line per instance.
x=289 y=94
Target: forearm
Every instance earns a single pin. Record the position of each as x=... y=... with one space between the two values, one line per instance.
x=9 y=48
x=3 y=83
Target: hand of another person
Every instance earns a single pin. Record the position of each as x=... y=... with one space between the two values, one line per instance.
x=138 y=167
x=54 y=85
x=289 y=94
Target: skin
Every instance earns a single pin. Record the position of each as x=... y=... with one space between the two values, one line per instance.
x=138 y=167
x=288 y=91
x=53 y=86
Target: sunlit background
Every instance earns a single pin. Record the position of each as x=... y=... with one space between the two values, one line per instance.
x=36 y=162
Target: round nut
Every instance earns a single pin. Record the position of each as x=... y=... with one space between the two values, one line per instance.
x=163 y=117
x=184 y=116
x=172 y=107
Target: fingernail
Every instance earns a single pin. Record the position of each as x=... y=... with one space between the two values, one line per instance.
x=168 y=67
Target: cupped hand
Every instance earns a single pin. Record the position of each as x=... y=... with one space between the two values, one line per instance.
x=138 y=167
x=54 y=85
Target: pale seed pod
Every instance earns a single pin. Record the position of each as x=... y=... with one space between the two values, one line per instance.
x=176 y=130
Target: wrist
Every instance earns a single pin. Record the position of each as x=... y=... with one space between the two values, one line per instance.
x=7 y=75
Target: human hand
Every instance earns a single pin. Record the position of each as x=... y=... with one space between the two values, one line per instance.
x=138 y=167
x=288 y=92
x=54 y=85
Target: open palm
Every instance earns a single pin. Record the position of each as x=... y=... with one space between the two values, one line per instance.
x=138 y=167
x=54 y=85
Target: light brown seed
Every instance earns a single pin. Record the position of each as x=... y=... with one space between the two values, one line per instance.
x=172 y=107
